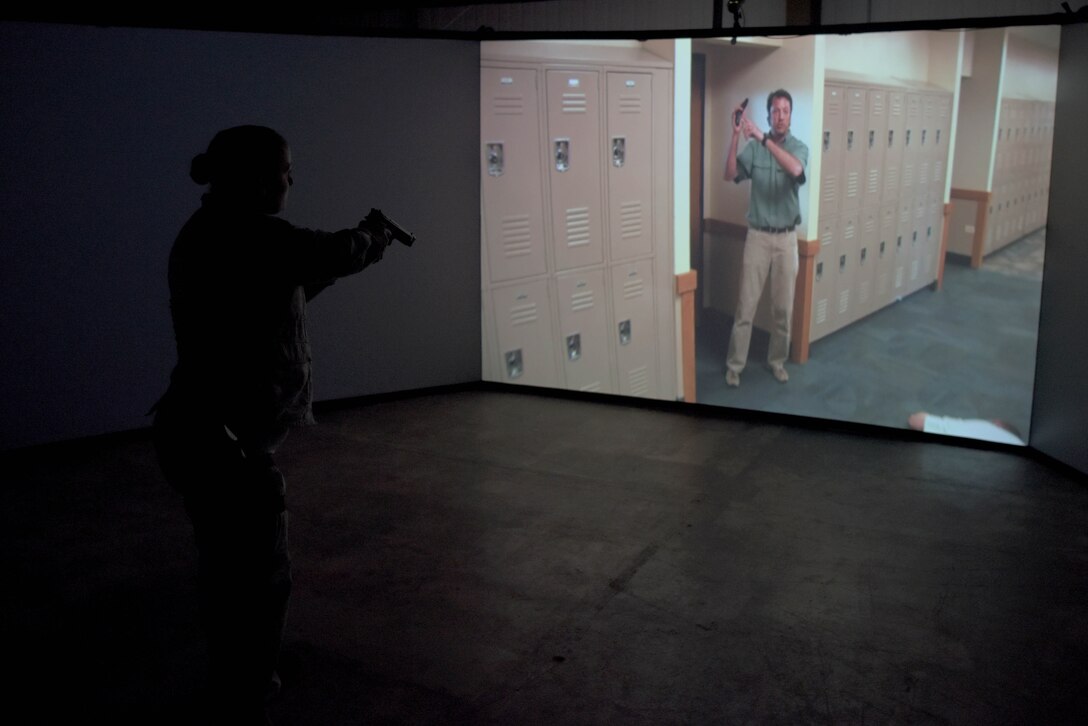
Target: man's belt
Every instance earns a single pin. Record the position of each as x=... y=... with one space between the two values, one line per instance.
x=776 y=230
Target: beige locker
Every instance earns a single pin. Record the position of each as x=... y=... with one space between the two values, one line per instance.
x=824 y=276
x=630 y=165
x=904 y=229
x=832 y=151
x=866 y=260
x=941 y=128
x=912 y=126
x=512 y=191
x=634 y=332
x=853 y=148
x=583 y=331
x=524 y=334
x=875 y=146
x=934 y=227
x=925 y=142
x=893 y=148
x=915 y=278
x=574 y=147
x=845 y=265
x=885 y=254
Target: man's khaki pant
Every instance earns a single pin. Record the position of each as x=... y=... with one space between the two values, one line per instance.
x=765 y=252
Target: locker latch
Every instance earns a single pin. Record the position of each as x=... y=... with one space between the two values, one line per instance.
x=625 y=332
x=907 y=141
x=562 y=154
x=891 y=137
x=882 y=245
x=937 y=141
x=574 y=346
x=842 y=263
x=514 y=368
x=864 y=253
x=872 y=138
x=849 y=140
x=494 y=159
x=923 y=137
x=827 y=140
x=819 y=271
x=619 y=150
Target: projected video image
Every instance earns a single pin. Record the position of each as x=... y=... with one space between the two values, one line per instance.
x=839 y=227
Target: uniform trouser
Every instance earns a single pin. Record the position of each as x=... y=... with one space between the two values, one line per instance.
x=236 y=505
x=776 y=254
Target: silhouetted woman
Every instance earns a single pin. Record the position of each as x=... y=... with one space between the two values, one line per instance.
x=239 y=279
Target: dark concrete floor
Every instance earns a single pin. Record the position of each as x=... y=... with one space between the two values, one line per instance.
x=505 y=557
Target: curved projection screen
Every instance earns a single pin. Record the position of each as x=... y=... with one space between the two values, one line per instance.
x=613 y=244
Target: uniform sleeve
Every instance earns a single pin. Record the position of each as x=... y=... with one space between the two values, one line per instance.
x=314 y=259
x=745 y=159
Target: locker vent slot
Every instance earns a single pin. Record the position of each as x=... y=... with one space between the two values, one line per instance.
x=870 y=225
x=863 y=292
x=517 y=236
x=908 y=175
x=874 y=180
x=577 y=226
x=882 y=283
x=899 y=276
x=630 y=219
x=829 y=191
x=877 y=105
x=914 y=269
x=844 y=301
x=849 y=230
x=852 y=184
x=595 y=386
x=508 y=105
x=639 y=380
x=580 y=301
x=633 y=288
x=630 y=103
x=523 y=314
x=574 y=103
x=923 y=173
x=938 y=171
x=821 y=311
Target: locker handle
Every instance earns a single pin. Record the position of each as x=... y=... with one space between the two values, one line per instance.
x=882 y=245
x=891 y=137
x=864 y=253
x=562 y=154
x=872 y=137
x=514 y=367
x=849 y=140
x=574 y=346
x=937 y=140
x=625 y=332
x=819 y=271
x=923 y=137
x=494 y=159
x=619 y=150
x=906 y=142
x=842 y=263
x=827 y=140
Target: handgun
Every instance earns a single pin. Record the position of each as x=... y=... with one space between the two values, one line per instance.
x=739 y=112
x=377 y=218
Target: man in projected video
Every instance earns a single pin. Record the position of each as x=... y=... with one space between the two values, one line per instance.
x=775 y=161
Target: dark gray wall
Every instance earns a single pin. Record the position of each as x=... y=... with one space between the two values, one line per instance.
x=97 y=129
x=1059 y=424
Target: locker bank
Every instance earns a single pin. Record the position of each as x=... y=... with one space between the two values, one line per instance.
x=922 y=143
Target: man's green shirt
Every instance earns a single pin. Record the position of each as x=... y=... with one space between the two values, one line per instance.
x=773 y=201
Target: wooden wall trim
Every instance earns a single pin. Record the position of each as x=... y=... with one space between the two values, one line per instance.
x=686 y=284
x=801 y=325
x=944 y=244
x=730 y=229
x=982 y=199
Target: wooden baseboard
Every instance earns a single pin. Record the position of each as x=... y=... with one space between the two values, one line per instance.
x=686 y=285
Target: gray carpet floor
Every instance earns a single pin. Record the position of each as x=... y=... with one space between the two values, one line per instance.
x=967 y=351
